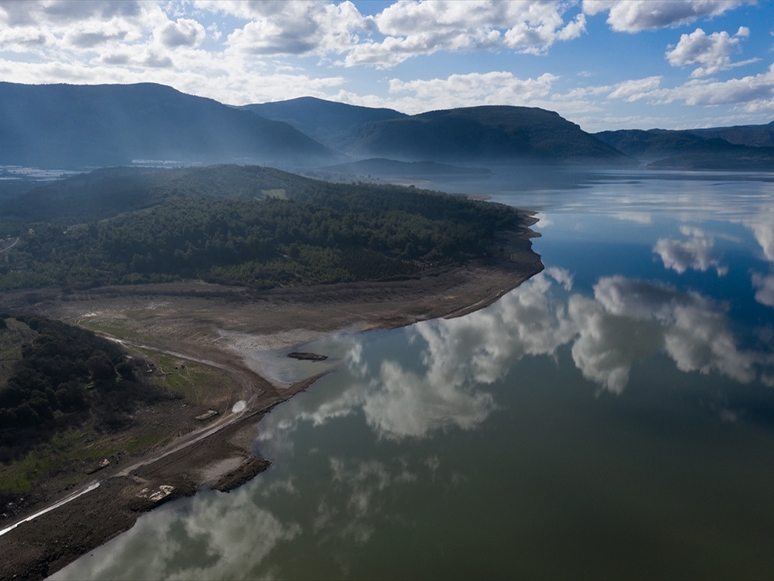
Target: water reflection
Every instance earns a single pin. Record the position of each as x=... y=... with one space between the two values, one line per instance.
x=625 y=322
x=696 y=252
x=214 y=540
x=446 y=449
x=762 y=227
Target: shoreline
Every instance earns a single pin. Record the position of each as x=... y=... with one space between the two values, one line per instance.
x=221 y=327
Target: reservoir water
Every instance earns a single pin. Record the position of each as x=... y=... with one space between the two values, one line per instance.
x=613 y=417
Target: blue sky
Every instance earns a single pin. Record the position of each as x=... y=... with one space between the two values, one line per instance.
x=604 y=64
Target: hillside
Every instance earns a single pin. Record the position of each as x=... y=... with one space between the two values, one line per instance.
x=751 y=135
x=209 y=223
x=80 y=126
x=694 y=149
x=718 y=154
x=333 y=124
x=483 y=134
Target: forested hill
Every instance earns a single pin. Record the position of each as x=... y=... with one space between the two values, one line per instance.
x=255 y=226
x=79 y=126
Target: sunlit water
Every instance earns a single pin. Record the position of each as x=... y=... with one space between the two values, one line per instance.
x=613 y=417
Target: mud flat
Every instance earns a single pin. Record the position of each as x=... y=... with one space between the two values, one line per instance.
x=219 y=326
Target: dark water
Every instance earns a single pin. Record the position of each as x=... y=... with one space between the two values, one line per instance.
x=613 y=417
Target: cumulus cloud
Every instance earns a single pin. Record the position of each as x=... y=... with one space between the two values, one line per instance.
x=184 y=32
x=15 y=13
x=295 y=27
x=419 y=27
x=712 y=52
x=696 y=253
x=636 y=15
x=494 y=88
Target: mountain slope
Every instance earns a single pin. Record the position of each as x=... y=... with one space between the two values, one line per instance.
x=491 y=133
x=719 y=154
x=751 y=135
x=694 y=148
x=333 y=124
x=102 y=125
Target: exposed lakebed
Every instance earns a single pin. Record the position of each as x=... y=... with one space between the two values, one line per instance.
x=613 y=417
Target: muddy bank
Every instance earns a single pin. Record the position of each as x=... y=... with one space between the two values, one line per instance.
x=219 y=326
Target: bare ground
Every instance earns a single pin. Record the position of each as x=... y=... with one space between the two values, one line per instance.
x=216 y=326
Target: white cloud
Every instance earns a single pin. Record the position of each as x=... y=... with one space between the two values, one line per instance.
x=752 y=93
x=184 y=32
x=636 y=15
x=494 y=88
x=764 y=286
x=413 y=28
x=696 y=253
x=635 y=89
x=712 y=52
x=297 y=27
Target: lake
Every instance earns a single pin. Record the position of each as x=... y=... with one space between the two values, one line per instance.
x=613 y=417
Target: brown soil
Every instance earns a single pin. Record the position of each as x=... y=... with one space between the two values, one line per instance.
x=216 y=325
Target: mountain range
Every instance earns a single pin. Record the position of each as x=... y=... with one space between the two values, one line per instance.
x=83 y=127
x=744 y=147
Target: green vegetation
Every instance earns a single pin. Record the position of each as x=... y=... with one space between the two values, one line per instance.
x=207 y=223
x=63 y=376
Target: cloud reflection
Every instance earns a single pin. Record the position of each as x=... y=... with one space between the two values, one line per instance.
x=221 y=537
x=763 y=230
x=626 y=321
x=695 y=253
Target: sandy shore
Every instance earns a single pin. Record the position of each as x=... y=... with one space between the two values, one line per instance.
x=224 y=327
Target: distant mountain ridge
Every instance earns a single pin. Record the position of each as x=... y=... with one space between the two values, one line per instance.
x=79 y=126
x=472 y=134
x=329 y=122
x=704 y=149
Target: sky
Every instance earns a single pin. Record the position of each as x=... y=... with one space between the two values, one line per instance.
x=604 y=64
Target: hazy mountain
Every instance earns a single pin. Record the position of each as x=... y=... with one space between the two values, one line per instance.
x=494 y=134
x=752 y=135
x=650 y=145
x=719 y=154
x=103 y=125
x=696 y=148
x=392 y=168
x=480 y=134
x=333 y=124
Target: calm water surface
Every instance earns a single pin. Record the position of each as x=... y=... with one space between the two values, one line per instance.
x=613 y=417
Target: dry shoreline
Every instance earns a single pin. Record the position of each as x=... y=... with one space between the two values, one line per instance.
x=220 y=326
